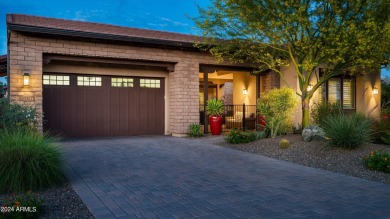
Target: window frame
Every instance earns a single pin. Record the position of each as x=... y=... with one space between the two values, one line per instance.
x=89 y=85
x=56 y=79
x=342 y=78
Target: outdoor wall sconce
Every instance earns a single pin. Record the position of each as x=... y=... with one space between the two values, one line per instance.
x=26 y=79
x=375 y=91
x=309 y=87
x=245 y=91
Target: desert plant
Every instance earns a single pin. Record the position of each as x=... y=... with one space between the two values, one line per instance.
x=214 y=107
x=284 y=144
x=382 y=131
x=378 y=160
x=13 y=115
x=26 y=200
x=237 y=136
x=195 y=130
x=29 y=160
x=277 y=107
x=348 y=131
x=323 y=109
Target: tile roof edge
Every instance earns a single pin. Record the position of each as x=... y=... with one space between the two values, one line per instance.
x=10 y=19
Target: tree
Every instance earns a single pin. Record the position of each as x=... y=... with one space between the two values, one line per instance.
x=347 y=35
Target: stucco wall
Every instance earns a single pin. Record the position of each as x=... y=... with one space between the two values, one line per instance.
x=26 y=53
x=241 y=81
x=291 y=80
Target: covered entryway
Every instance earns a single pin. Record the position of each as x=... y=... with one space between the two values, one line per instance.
x=76 y=105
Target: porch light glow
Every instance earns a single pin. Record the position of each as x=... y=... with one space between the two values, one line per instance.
x=245 y=92
x=26 y=79
x=375 y=91
x=309 y=87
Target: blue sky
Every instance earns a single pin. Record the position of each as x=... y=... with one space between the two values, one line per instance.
x=165 y=15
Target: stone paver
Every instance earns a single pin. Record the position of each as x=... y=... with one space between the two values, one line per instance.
x=166 y=177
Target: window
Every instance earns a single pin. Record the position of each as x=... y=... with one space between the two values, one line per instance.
x=122 y=82
x=55 y=80
x=150 y=83
x=89 y=81
x=339 y=90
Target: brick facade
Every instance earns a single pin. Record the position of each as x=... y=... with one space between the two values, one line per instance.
x=26 y=54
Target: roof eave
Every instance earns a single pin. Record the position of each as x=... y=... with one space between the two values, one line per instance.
x=82 y=34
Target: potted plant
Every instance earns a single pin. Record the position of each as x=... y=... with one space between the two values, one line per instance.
x=215 y=109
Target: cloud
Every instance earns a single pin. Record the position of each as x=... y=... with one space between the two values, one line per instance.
x=157 y=25
x=175 y=23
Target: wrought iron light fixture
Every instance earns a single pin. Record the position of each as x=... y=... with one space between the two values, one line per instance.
x=26 y=79
x=309 y=87
x=245 y=91
x=375 y=91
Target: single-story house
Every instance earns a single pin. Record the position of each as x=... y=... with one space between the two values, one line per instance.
x=91 y=79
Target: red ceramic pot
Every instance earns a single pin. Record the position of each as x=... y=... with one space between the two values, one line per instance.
x=215 y=124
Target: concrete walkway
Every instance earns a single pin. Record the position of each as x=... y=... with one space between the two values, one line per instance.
x=166 y=177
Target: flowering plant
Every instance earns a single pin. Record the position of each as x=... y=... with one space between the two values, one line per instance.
x=378 y=160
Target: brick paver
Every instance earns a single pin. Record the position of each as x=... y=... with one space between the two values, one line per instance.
x=166 y=177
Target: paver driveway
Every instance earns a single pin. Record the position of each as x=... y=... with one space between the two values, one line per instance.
x=166 y=177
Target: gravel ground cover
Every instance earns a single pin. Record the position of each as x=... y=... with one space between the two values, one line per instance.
x=315 y=154
x=59 y=202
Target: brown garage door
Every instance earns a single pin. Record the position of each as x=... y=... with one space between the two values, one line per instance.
x=92 y=105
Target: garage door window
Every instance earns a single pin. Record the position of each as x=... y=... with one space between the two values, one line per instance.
x=122 y=82
x=89 y=81
x=150 y=83
x=55 y=80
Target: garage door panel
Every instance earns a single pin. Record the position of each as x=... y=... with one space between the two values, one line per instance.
x=83 y=110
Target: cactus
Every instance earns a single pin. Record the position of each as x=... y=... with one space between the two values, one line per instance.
x=284 y=144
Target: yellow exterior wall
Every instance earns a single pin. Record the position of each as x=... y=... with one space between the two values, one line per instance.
x=243 y=81
x=291 y=80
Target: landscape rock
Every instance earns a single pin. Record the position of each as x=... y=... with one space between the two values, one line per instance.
x=313 y=132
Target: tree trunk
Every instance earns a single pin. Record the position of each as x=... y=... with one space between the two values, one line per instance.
x=305 y=112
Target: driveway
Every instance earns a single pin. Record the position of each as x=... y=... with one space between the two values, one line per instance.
x=166 y=177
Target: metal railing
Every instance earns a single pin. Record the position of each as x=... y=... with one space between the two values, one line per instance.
x=241 y=116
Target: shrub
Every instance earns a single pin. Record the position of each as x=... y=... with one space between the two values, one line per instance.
x=348 y=131
x=237 y=136
x=195 y=130
x=378 y=160
x=382 y=132
x=13 y=115
x=29 y=160
x=28 y=200
x=277 y=107
x=320 y=111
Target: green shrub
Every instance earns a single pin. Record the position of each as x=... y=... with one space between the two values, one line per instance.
x=12 y=208
x=348 y=131
x=29 y=160
x=195 y=130
x=237 y=136
x=382 y=132
x=277 y=107
x=214 y=107
x=13 y=115
x=319 y=111
x=378 y=160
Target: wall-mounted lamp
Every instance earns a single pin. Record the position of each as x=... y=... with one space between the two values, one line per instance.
x=245 y=91
x=26 y=79
x=309 y=87
x=375 y=91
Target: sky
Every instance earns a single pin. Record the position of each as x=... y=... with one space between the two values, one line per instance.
x=164 y=15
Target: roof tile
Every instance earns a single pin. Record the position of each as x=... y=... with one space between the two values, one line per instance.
x=72 y=25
